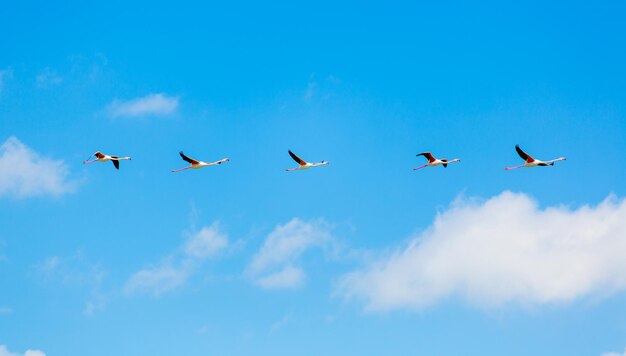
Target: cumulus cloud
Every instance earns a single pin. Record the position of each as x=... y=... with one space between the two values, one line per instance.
x=152 y=104
x=174 y=271
x=503 y=250
x=24 y=173
x=5 y=352
x=273 y=265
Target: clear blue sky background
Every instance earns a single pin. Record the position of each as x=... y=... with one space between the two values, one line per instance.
x=365 y=86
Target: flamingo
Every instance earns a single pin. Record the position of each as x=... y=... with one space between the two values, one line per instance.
x=432 y=161
x=303 y=164
x=198 y=164
x=101 y=157
x=531 y=162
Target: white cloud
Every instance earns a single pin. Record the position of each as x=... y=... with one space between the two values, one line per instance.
x=152 y=104
x=34 y=353
x=272 y=266
x=503 y=250
x=47 y=78
x=614 y=353
x=24 y=173
x=206 y=243
x=288 y=277
x=174 y=271
x=158 y=279
x=5 y=352
x=6 y=310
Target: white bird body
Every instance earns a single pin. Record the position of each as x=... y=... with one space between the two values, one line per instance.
x=101 y=157
x=532 y=162
x=432 y=161
x=195 y=164
x=303 y=164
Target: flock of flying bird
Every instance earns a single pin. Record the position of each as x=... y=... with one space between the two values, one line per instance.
x=432 y=161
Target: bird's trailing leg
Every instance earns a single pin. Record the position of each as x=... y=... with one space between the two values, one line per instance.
x=182 y=169
x=511 y=168
x=87 y=161
x=420 y=167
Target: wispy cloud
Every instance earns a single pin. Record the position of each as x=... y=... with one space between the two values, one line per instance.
x=47 y=78
x=288 y=277
x=4 y=75
x=24 y=173
x=5 y=352
x=149 y=105
x=614 y=353
x=284 y=321
x=319 y=88
x=6 y=310
x=503 y=250
x=174 y=271
x=273 y=265
x=160 y=278
x=77 y=271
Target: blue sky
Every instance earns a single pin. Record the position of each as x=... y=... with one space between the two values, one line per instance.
x=363 y=256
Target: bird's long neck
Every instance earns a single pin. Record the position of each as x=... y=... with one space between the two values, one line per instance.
x=319 y=164
x=452 y=160
x=557 y=159
x=123 y=158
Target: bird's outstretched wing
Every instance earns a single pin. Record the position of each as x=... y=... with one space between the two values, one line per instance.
x=296 y=158
x=428 y=156
x=190 y=160
x=525 y=156
x=116 y=163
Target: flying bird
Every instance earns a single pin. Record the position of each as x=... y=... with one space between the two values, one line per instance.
x=195 y=164
x=432 y=161
x=303 y=164
x=100 y=157
x=531 y=162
